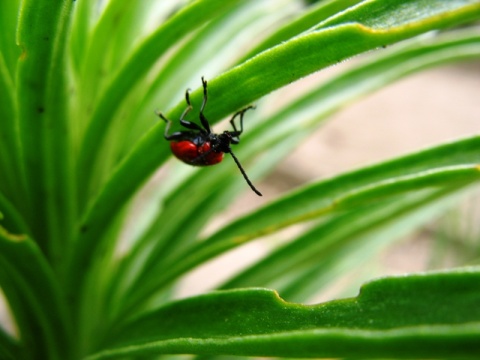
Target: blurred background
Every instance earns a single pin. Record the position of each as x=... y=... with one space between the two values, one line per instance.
x=397 y=120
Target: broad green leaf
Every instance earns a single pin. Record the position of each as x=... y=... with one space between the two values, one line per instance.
x=34 y=296
x=433 y=315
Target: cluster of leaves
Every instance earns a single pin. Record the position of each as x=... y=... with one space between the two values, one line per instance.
x=79 y=82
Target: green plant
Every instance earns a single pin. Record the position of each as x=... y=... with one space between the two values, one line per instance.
x=79 y=138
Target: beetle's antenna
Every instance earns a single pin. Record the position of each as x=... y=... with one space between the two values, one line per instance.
x=244 y=174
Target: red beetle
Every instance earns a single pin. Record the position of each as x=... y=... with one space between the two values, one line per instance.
x=198 y=146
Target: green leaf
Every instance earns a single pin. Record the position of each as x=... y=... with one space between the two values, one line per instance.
x=302 y=268
x=10 y=176
x=44 y=128
x=119 y=18
x=396 y=15
x=8 y=51
x=415 y=316
x=311 y=17
x=34 y=296
x=411 y=173
x=436 y=178
x=9 y=349
x=11 y=217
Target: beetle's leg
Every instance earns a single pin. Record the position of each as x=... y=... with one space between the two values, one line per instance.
x=188 y=108
x=174 y=136
x=188 y=124
x=236 y=133
x=191 y=125
x=203 y=119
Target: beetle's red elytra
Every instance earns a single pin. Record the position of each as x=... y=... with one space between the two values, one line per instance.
x=192 y=154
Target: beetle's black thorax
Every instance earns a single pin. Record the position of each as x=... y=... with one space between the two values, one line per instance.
x=221 y=142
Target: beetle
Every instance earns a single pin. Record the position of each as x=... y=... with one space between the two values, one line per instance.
x=199 y=146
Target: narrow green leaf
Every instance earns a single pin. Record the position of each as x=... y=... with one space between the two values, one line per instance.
x=94 y=74
x=434 y=315
x=304 y=22
x=9 y=349
x=341 y=242
x=34 y=297
x=437 y=178
x=8 y=50
x=132 y=28
x=44 y=128
x=85 y=15
x=391 y=14
x=11 y=218
x=10 y=176
x=10 y=171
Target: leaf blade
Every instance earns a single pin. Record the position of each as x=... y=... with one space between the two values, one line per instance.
x=34 y=296
x=411 y=316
